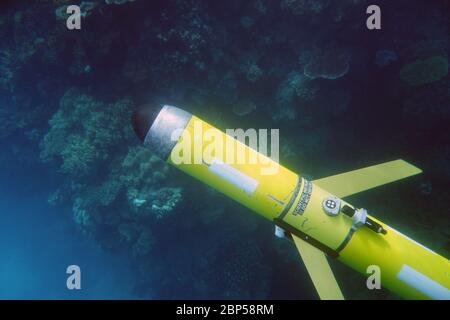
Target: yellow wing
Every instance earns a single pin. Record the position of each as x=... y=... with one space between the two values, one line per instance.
x=348 y=183
x=319 y=270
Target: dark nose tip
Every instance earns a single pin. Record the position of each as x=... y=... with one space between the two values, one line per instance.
x=143 y=118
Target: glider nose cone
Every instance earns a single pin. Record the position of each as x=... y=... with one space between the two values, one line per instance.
x=143 y=118
x=159 y=127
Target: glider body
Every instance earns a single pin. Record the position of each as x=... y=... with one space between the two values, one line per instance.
x=313 y=214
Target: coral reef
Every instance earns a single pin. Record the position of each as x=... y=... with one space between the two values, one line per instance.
x=426 y=71
x=87 y=136
x=293 y=92
x=141 y=172
x=83 y=131
x=328 y=64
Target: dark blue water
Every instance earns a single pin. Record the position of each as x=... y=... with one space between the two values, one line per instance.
x=38 y=243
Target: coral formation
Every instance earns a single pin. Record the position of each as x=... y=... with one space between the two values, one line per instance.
x=84 y=134
x=294 y=91
x=328 y=64
x=83 y=131
x=426 y=71
x=86 y=9
x=141 y=172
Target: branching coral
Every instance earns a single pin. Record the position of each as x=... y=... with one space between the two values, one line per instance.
x=190 y=32
x=78 y=155
x=83 y=131
x=111 y=185
x=142 y=174
x=165 y=201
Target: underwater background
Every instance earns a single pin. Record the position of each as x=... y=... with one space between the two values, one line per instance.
x=76 y=187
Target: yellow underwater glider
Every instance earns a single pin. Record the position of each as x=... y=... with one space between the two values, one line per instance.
x=311 y=213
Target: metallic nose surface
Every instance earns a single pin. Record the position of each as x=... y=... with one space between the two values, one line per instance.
x=160 y=127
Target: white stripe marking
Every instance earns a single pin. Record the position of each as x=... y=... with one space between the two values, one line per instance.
x=422 y=283
x=233 y=176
